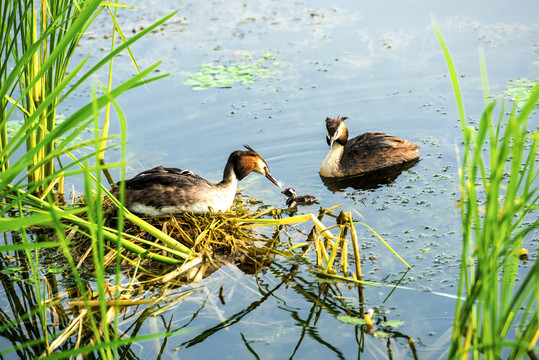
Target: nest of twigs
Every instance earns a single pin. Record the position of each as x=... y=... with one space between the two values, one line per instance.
x=213 y=238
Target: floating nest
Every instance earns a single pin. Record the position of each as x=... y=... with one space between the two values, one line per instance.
x=213 y=239
x=184 y=248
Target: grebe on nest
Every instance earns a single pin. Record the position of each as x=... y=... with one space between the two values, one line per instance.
x=371 y=151
x=161 y=190
x=293 y=200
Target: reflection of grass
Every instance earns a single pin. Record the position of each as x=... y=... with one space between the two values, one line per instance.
x=498 y=316
x=224 y=76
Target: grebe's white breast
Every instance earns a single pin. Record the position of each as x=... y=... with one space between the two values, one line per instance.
x=330 y=165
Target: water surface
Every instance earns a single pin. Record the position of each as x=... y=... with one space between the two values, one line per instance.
x=380 y=65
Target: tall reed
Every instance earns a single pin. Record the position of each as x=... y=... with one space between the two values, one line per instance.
x=41 y=42
x=497 y=316
x=36 y=45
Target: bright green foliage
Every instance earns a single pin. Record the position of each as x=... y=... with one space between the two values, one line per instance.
x=39 y=41
x=352 y=320
x=13 y=126
x=393 y=323
x=12 y=270
x=36 y=46
x=496 y=316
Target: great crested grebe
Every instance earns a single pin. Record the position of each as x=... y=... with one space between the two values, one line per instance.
x=294 y=200
x=367 y=152
x=161 y=190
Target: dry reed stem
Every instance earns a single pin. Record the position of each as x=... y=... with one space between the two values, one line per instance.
x=66 y=334
x=355 y=247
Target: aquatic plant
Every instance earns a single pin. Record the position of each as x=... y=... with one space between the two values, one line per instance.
x=518 y=91
x=36 y=46
x=496 y=314
x=224 y=76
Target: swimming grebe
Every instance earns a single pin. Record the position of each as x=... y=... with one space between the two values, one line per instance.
x=368 y=152
x=161 y=190
x=294 y=200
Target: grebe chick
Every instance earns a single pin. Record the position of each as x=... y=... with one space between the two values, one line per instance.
x=368 y=152
x=162 y=190
x=294 y=200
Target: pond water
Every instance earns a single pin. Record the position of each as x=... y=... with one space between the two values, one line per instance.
x=378 y=63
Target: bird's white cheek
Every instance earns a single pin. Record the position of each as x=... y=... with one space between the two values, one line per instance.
x=339 y=132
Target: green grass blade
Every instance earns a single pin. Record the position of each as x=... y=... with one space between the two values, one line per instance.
x=452 y=74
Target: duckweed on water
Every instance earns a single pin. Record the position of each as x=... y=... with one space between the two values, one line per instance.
x=518 y=90
x=224 y=76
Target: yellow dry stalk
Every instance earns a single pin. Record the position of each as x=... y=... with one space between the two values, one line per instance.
x=322 y=255
x=36 y=91
x=58 y=180
x=344 y=254
x=335 y=248
x=534 y=339
x=288 y=221
x=328 y=247
x=467 y=341
x=76 y=324
x=35 y=95
x=355 y=247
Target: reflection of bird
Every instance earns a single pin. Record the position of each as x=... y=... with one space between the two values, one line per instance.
x=294 y=200
x=163 y=190
x=368 y=152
